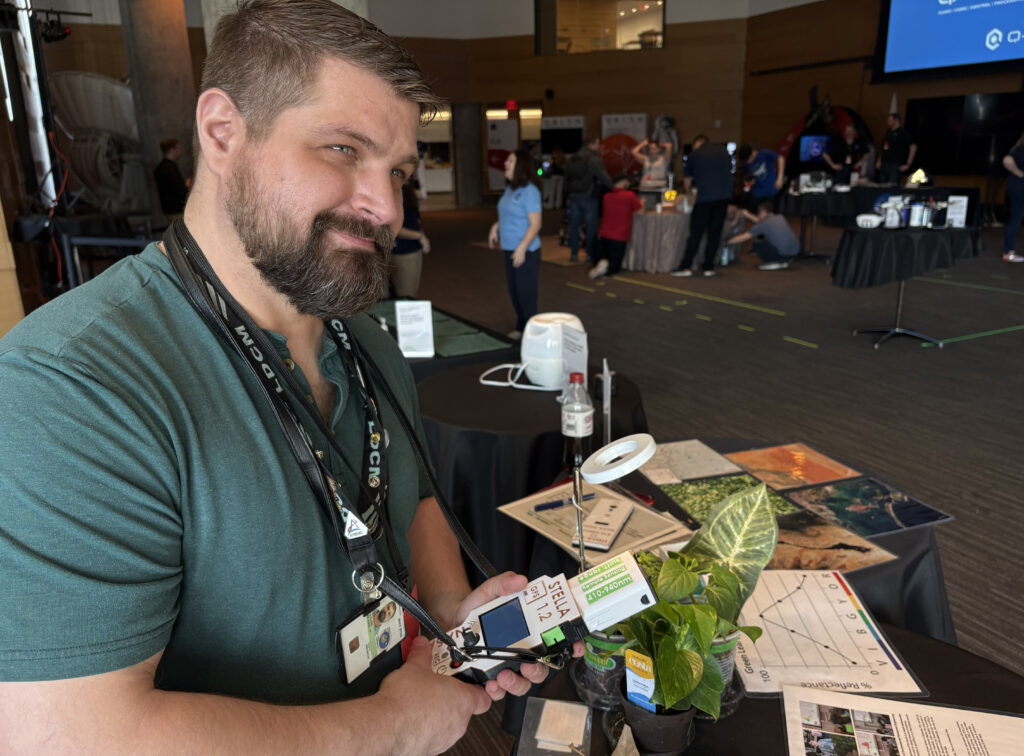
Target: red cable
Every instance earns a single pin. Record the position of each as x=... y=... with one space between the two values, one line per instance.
x=60 y=269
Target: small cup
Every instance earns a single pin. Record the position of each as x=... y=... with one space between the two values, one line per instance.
x=658 y=208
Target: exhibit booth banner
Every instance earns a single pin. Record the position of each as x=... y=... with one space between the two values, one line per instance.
x=629 y=124
x=502 y=139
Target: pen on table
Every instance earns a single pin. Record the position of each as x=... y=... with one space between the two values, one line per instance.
x=560 y=502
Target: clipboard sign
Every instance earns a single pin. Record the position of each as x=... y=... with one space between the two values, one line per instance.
x=415 y=323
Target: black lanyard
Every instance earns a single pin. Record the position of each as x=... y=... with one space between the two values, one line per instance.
x=228 y=319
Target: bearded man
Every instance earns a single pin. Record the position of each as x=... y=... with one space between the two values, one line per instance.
x=175 y=435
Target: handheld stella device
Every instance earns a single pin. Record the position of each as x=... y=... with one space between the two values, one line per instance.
x=540 y=623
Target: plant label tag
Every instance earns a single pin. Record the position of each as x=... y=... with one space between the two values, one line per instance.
x=639 y=679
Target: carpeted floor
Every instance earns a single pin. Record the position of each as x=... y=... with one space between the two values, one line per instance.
x=770 y=355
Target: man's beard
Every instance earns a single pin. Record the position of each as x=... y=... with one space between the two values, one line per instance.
x=318 y=279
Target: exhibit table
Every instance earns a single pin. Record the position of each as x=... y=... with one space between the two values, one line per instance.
x=456 y=342
x=951 y=675
x=657 y=241
x=872 y=257
x=493 y=445
x=908 y=591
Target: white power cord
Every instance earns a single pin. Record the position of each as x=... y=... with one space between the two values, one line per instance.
x=515 y=370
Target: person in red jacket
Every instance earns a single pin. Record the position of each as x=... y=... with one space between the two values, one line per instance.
x=613 y=235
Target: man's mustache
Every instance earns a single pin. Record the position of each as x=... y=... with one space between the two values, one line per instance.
x=382 y=237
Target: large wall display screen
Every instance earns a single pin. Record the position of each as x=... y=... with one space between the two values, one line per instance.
x=927 y=34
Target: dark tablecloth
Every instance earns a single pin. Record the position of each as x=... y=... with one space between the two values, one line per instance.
x=834 y=207
x=871 y=257
x=493 y=445
x=839 y=208
x=951 y=675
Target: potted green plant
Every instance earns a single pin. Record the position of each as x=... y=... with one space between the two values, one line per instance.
x=700 y=590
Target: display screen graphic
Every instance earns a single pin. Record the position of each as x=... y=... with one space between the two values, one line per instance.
x=504 y=625
x=813 y=148
x=926 y=34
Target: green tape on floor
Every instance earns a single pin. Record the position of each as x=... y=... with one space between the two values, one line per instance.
x=680 y=302
x=611 y=294
x=581 y=287
x=639 y=301
x=801 y=342
x=745 y=328
x=707 y=297
x=666 y=308
x=703 y=317
x=981 y=335
x=961 y=284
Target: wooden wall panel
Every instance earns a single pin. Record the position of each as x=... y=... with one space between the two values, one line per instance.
x=98 y=48
x=697 y=77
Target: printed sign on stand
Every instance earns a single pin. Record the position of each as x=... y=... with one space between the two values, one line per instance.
x=415 y=324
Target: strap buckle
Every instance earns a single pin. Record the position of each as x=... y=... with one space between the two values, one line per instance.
x=368 y=585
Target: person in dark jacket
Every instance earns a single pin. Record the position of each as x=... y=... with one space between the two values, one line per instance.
x=170 y=184
x=585 y=177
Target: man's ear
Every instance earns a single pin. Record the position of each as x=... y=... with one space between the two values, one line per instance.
x=220 y=127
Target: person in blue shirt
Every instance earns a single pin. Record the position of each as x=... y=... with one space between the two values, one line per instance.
x=516 y=230
x=766 y=169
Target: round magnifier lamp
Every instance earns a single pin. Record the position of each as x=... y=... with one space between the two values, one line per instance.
x=610 y=462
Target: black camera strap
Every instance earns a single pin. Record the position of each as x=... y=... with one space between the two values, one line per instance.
x=225 y=317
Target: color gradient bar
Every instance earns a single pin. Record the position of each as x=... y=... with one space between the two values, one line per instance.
x=867 y=620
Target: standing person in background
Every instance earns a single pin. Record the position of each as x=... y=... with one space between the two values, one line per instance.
x=171 y=186
x=655 y=159
x=410 y=246
x=516 y=230
x=618 y=207
x=898 y=151
x=767 y=169
x=1014 y=163
x=585 y=177
x=844 y=156
x=709 y=171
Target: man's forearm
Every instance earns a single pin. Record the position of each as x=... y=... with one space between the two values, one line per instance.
x=437 y=567
x=72 y=716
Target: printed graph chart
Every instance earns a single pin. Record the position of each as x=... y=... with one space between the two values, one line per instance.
x=817 y=634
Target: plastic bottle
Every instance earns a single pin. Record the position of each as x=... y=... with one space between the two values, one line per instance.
x=577 y=422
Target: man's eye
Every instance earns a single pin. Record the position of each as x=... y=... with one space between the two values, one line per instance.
x=399 y=174
x=343 y=148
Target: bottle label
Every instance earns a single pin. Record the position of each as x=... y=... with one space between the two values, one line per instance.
x=578 y=423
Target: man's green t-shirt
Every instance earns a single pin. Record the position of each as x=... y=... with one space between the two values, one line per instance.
x=149 y=499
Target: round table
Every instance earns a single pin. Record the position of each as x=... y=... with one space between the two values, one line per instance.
x=656 y=243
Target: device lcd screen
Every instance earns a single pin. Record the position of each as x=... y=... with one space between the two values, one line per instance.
x=504 y=625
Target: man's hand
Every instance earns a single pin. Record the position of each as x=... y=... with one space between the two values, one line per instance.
x=778 y=181
x=425 y=244
x=434 y=710
x=518 y=258
x=507 y=681
x=903 y=168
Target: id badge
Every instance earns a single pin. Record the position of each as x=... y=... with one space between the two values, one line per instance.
x=368 y=635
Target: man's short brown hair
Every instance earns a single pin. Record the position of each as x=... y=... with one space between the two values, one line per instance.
x=266 y=55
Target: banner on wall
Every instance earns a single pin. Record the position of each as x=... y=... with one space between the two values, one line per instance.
x=502 y=138
x=630 y=124
x=563 y=122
